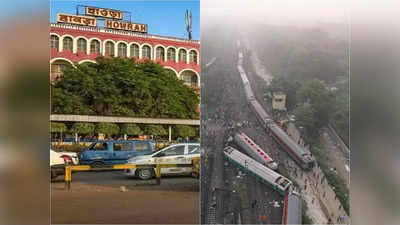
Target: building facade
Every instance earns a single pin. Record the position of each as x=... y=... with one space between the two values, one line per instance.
x=71 y=44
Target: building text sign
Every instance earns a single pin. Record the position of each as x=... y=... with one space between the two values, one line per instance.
x=107 y=13
x=76 y=19
x=123 y=25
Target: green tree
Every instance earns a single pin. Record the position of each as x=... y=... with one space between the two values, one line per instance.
x=185 y=131
x=107 y=128
x=123 y=87
x=320 y=99
x=131 y=129
x=156 y=130
x=58 y=127
x=82 y=128
x=305 y=118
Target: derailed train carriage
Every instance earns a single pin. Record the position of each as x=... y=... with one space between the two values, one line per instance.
x=253 y=150
x=302 y=156
x=292 y=209
x=264 y=174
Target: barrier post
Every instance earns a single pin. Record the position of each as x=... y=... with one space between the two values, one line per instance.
x=67 y=177
x=158 y=174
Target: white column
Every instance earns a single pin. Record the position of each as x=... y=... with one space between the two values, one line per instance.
x=140 y=51
x=74 y=46
x=169 y=133
x=87 y=47
x=115 y=49
x=176 y=56
x=187 y=57
x=60 y=44
x=128 y=51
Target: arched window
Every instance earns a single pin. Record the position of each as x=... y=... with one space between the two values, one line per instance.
x=146 y=52
x=82 y=45
x=189 y=77
x=109 y=48
x=192 y=56
x=160 y=53
x=54 y=42
x=135 y=50
x=67 y=43
x=182 y=55
x=57 y=68
x=95 y=46
x=122 y=50
x=171 y=54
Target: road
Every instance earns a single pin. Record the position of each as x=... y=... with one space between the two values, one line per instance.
x=98 y=197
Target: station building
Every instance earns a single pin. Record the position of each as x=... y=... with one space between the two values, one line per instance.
x=72 y=44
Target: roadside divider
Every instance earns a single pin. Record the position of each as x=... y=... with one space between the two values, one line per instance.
x=195 y=165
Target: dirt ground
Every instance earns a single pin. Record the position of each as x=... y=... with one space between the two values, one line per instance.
x=97 y=197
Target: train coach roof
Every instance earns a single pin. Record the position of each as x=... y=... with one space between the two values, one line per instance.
x=294 y=209
x=255 y=147
x=289 y=141
x=260 y=109
x=254 y=166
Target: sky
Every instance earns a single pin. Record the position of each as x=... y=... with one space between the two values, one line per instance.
x=166 y=18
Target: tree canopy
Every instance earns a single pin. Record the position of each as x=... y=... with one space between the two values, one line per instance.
x=317 y=106
x=131 y=129
x=82 y=128
x=185 y=131
x=58 y=127
x=107 y=128
x=156 y=130
x=123 y=87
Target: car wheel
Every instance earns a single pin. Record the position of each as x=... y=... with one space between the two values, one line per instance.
x=144 y=174
x=97 y=164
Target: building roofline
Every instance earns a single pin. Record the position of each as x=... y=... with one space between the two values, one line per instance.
x=121 y=32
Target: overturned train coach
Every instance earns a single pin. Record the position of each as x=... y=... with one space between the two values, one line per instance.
x=292 y=209
x=253 y=150
x=261 y=172
x=302 y=156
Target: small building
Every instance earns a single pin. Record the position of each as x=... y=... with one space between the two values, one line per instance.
x=279 y=101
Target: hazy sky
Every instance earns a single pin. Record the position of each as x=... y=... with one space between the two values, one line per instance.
x=276 y=11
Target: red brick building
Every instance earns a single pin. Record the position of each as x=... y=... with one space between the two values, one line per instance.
x=81 y=44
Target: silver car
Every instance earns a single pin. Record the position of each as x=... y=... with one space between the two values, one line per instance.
x=174 y=154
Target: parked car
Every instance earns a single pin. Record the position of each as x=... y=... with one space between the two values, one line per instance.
x=173 y=154
x=58 y=160
x=113 y=152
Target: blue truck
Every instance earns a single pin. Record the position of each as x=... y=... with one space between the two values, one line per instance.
x=113 y=152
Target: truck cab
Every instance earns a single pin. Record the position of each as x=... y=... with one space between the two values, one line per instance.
x=113 y=152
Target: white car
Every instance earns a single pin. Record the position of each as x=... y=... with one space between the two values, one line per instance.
x=58 y=160
x=174 y=154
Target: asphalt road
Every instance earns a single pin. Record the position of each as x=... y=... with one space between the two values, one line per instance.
x=108 y=197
